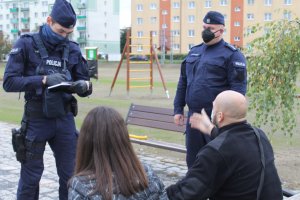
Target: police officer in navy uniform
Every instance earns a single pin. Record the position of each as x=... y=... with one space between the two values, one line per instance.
x=36 y=62
x=210 y=68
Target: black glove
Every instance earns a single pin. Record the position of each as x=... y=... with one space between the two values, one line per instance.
x=54 y=79
x=79 y=87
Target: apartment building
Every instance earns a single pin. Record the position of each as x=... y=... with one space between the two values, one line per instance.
x=97 y=21
x=176 y=25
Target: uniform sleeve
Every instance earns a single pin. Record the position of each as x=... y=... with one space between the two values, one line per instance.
x=80 y=69
x=207 y=174
x=237 y=73
x=15 y=78
x=179 y=101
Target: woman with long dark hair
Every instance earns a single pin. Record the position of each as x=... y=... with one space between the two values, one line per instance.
x=106 y=165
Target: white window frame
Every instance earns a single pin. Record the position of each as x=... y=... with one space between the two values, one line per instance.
x=140 y=48
x=176 y=46
x=236 y=38
x=154 y=33
x=176 y=5
x=268 y=2
x=139 y=7
x=140 y=34
x=153 y=20
x=153 y=6
x=208 y=4
x=191 y=33
x=190 y=46
x=288 y=2
x=268 y=17
x=191 y=18
x=223 y=2
x=237 y=9
x=237 y=23
x=287 y=15
x=250 y=16
x=176 y=33
x=191 y=4
x=139 y=20
x=176 y=19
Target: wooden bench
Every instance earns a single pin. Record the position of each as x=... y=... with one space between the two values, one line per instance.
x=158 y=118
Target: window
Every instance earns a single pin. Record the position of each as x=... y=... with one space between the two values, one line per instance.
x=139 y=48
x=153 y=6
x=175 y=33
x=287 y=15
x=176 y=4
x=44 y=14
x=36 y=15
x=191 y=5
x=164 y=26
x=1 y=17
x=287 y=2
x=139 y=7
x=191 y=33
x=225 y=17
x=139 y=20
x=7 y=16
x=268 y=2
x=176 y=19
x=237 y=9
x=249 y=31
x=237 y=24
x=7 y=26
x=153 y=20
x=164 y=12
x=140 y=34
x=154 y=33
x=223 y=2
x=190 y=46
x=236 y=38
x=191 y=18
x=176 y=46
x=44 y=3
x=208 y=4
x=268 y=16
x=250 y=16
x=250 y=2
x=225 y=31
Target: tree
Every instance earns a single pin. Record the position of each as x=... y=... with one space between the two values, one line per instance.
x=273 y=66
x=123 y=38
x=5 y=45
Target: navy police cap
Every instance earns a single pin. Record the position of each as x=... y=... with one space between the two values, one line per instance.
x=213 y=17
x=63 y=13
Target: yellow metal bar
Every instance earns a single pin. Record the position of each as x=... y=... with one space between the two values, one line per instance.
x=139 y=86
x=139 y=70
x=142 y=78
x=140 y=137
x=139 y=37
x=142 y=45
x=140 y=62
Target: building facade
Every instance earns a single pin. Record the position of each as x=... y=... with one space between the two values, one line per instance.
x=176 y=25
x=97 y=21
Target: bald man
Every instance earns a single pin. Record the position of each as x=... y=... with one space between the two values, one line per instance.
x=231 y=165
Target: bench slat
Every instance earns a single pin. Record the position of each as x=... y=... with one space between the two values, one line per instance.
x=151 y=116
x=149 y=109
x=155 y=124
x=162 y=145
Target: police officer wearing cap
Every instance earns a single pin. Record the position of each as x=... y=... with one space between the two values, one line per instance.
x=37 y=61
x=210 y=68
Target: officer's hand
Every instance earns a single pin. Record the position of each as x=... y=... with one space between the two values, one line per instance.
x=80 y=87
x=201 y=122
x=179 y=119
x=54 y=79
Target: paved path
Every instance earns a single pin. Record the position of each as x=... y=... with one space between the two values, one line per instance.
x=169 y=170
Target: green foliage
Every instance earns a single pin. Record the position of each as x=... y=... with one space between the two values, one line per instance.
x=122 y=39
x=273 y=65
x=5 y=45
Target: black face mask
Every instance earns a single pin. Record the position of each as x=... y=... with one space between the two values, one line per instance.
x=208 y=35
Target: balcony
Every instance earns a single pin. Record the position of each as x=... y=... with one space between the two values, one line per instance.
x=81 y=28
x=13 y=10
x=14 y=30
x=81 y=16
x=25 y=20
x=81 y=40
x=14 y=21
x=25 y=30
x=24 y=9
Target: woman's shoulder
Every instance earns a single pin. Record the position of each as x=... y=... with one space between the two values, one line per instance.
x=81 y=186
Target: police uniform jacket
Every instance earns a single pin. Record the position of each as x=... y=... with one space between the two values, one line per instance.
x=229 y=168
x=206 y=72
x=21 y=69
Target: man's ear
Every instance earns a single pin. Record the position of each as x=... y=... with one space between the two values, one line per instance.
x=220 y=117
x=49 y=20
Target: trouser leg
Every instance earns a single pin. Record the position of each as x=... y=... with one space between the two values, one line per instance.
x=195 y=140
x=64 y=147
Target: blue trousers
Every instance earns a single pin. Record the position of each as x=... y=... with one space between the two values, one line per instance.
x=194 y=141
x=61 y=135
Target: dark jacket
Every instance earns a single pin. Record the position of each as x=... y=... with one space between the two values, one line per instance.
x=81 y=188
x=229 y=167
x=208 y=71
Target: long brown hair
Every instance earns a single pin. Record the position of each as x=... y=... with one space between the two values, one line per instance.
x=104 y=149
